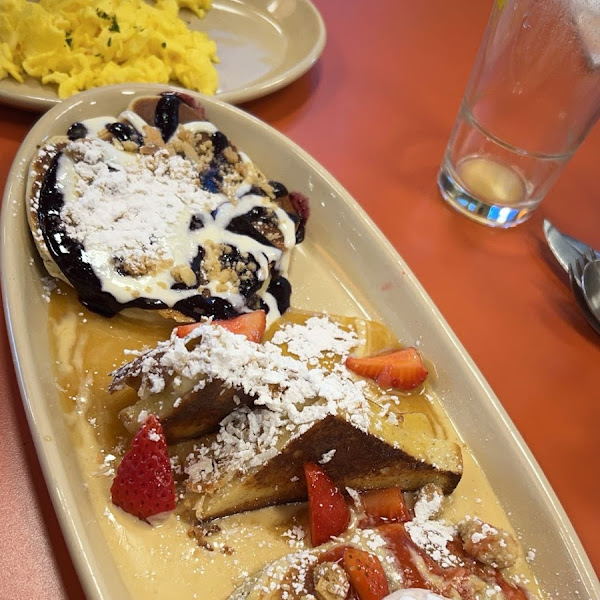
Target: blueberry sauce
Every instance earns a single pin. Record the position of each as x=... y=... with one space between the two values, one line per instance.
x=250 y=225
x=77 y=131
x=281 y=289
x=166 y=117
x=124 y=132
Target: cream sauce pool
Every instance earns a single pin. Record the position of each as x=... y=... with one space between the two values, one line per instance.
x=162 y=561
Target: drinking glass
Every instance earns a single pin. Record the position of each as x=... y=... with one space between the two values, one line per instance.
x=532 y=97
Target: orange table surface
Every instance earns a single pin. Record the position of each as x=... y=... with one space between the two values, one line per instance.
x=376 y=111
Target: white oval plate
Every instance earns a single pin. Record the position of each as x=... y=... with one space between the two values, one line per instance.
x=344 y=266
x=263 y=45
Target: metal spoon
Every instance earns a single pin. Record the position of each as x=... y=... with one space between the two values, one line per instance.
x=581 y=300
x=590 y=283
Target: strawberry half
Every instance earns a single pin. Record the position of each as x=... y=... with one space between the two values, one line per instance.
x=144 y=483
x=383 y=506
x=252 y=325
x=401 y=369
x=328 y=513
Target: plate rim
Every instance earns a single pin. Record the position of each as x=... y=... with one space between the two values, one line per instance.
x=32 y=101
x=76 y=537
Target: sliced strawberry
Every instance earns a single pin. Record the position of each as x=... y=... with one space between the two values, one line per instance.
x=384 y=506
x=327 y=510
x=401 y=369
x=144 y=483
x=366 y=574
x=252 y=325
x=183 y=330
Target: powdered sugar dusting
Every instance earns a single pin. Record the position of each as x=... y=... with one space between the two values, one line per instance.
x=111 y=197
x=289 y=398
x=326 y=457
x=316 y=338
x=432 y=535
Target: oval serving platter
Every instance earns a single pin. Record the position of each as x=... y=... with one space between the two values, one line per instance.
x=262 y=47
x=345 y=266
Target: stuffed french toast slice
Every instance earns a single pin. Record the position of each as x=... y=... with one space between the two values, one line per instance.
x=275 y=405
x=376 y=455
x=187 y=406
x=192 y=406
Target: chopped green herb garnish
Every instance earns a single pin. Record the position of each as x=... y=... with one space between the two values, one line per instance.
x=102 y=14
x=164 y=45
x=114 y=26
x=109 y=42
x=68 y=38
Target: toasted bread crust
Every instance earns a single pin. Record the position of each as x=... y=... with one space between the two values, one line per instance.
x=361 y=461
x=197 y=413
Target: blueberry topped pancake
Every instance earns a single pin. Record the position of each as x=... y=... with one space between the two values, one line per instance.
x=157 y=209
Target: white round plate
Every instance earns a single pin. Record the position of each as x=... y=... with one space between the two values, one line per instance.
x=263 y=45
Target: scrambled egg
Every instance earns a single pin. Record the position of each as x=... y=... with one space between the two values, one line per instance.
x=80 y=44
